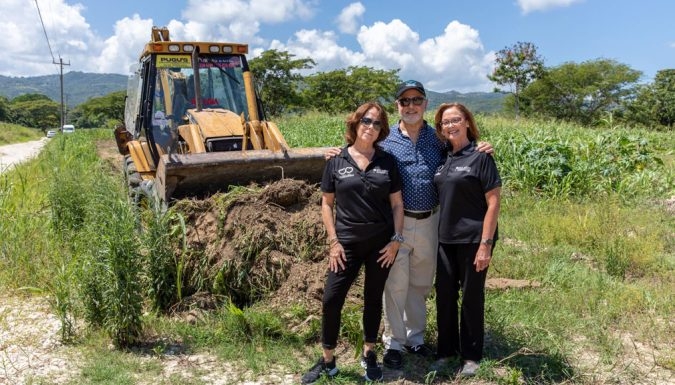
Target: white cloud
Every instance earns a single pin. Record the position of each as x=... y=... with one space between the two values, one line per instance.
x=25 y=49
x=122 y=49
x=528 y=6
x=392 y=45
x=321 y=47
x=455 y=60
x=350 y=17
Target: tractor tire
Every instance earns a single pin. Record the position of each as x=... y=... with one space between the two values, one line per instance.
x=132 y=179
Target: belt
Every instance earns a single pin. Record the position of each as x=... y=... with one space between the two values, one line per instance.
x=420 y=214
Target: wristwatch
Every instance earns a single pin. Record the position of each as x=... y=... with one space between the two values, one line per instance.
x=398 y=238
x=488 y=241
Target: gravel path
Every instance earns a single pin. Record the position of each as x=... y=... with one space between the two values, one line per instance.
x=29 y=343
x=12 y=154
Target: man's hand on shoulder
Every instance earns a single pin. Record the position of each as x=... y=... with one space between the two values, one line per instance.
x=335 y=151
x=486 y=148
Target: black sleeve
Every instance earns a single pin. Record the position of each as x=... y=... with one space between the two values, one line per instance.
x=489 y=175
x=327 y=181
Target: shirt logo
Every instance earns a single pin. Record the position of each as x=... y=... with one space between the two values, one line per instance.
x=345 y=172
x=380 y=171
x=463 y=169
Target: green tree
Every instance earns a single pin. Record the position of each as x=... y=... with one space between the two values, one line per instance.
x=97 y=112
x=276 y=76
x=30 y=98
x=654 y=104
x=4 y=109
x=664 y=92
x=35 y=110
x=343 y=90
x=581 y=92
x=516 y=67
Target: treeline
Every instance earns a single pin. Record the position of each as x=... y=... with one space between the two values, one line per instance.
x=595 y=92
x=40 y=112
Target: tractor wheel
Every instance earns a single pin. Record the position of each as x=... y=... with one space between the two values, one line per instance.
x=132 y=178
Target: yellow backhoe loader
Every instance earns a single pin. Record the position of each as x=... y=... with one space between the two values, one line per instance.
x=193 y=123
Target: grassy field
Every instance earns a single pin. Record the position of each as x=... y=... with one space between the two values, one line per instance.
x=587 y=222
x=12 y=133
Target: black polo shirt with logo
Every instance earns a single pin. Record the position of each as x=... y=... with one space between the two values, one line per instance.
x=462 y=183
x=363 y=208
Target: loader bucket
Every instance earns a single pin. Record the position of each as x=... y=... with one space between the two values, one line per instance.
x=180 y=175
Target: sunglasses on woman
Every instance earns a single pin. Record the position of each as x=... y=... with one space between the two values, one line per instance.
x=368 y=122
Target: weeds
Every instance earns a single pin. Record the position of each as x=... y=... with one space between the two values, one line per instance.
x=14 y=133
x=165 y=245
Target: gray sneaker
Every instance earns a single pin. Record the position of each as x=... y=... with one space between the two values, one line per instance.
x=321 y=367
x=469 y=369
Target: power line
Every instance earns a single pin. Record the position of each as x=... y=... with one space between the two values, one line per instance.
x=60 y=63
x=45 y=31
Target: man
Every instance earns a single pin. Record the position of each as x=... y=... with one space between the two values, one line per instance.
x=418 y=152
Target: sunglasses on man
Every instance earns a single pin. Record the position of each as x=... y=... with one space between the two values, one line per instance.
x=417 y=100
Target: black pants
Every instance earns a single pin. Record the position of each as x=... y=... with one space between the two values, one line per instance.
x=456 y=270
x=338 y=284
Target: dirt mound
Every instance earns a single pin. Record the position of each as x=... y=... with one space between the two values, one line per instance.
x=252 y=242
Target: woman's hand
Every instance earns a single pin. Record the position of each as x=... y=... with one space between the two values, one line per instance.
x=388 y=254
x=483 y=257
x=336 y=257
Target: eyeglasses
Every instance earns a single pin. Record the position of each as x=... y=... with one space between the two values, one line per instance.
x=451 y=122
x=368 y=122
x=417 y=100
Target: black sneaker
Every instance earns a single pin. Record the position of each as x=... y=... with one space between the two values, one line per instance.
x=319 y=368
x=393 y=359
x=373 y=370
x=422 y=350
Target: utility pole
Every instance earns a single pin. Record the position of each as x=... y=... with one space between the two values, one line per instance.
x=63 y=109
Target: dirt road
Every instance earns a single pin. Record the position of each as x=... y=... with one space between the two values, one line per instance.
x=12 y=154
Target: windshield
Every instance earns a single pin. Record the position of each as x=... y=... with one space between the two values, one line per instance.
x=221 y=84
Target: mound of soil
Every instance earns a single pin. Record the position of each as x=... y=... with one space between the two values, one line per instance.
x=257 y=244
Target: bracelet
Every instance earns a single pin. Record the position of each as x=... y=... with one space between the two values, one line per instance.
x=397 y=238
x=332 y=241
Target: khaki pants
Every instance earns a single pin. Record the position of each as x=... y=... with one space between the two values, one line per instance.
x=410 y=280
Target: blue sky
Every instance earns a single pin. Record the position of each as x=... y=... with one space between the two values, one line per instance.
x=446 y=44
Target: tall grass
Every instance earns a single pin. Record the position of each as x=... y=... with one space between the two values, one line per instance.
x=313 y=130
x=72 y=236
x=14 y=133
x=565 y=160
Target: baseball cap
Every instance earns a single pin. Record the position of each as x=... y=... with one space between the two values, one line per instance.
x=409 y=85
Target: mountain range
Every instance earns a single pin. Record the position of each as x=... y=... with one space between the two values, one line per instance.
x=79 y=87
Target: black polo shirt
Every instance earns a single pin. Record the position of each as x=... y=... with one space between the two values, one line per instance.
x=363 y=208
x=462 y=183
